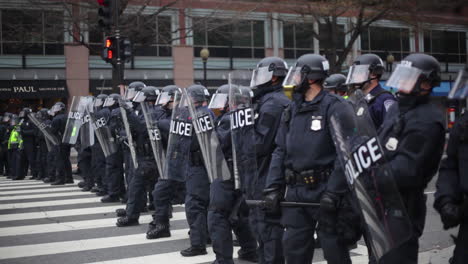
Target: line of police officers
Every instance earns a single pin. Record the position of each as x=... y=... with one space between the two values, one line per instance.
x=344 y=158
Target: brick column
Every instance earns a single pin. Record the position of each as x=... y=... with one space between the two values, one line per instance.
x=183 y=65
x=77 y=72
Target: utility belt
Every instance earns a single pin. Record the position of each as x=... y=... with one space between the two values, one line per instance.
x=196 y=158
x=310 y=178
x=144 y=149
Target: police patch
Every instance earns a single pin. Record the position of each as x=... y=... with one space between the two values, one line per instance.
x=316 y=124
x=387 y=104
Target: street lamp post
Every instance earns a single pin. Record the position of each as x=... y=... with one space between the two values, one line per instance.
x=204 y=54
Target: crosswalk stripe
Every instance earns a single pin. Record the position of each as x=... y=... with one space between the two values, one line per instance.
x=30 y=187
x=171 y=257
x=45 y=195
x=60 y=213
x=3 y=181
x=49 y=203
x=85 y=244
x=65 y=189
x=73 y=226
x=19 y=183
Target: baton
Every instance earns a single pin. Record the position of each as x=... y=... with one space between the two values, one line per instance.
x=252 y=203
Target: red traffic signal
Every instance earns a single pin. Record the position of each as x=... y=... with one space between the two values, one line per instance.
x=109 y=49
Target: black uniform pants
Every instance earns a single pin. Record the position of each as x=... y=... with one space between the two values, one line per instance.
x=63 y=163
x=98 y=165
x=138 y=187
x=163 y=194
x=84 y=162
x=4 y=168
x=41 y=159
x=52 y=163
x=26 y=159
x=115 y=174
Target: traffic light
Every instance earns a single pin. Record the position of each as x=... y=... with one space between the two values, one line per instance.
x=105 y=13
x=109 y=52
x=125 y=49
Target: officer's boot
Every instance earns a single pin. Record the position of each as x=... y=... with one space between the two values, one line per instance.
x=110 y=199
x=193 y=251
x=126 y=221
x=160 y=230
x=121 y=212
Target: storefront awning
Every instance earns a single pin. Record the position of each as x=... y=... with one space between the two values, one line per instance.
x=33 y=89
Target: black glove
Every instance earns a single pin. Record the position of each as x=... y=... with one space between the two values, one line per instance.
x=450 y=215
x=272 y=198
x=329 y=202
x=328 y=212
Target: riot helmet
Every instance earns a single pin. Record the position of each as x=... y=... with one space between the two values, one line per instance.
x=416 y=70
x=24 y=113
x=335 y=83
x=43 y=114
x=220 y=99
x=266 y=69
x=112 y=100
x=14 y=120
x=6 y=117
x=309 y=67
x=100 y=99
x=57 y=108
x=133 y=89
x=167 y=94
x=460 y=87
x=198 y=93
x=149 y=93
x=363 y=67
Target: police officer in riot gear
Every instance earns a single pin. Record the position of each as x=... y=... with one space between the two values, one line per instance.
x=166 y=190
x=4 y=134
x=451 y=197
x=227 y=210
x=27 y=154
x=52 y=154
x=15 y=143
x=270 y=102
x=42 y=151
x=413 y=137
x=145 y=175
x=365 y=74
x=197 y=183
x=63 y=158
x=304 y=166
x=113 y=185
x=335 y=84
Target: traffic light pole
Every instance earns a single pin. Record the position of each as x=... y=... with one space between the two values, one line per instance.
x=118 y=66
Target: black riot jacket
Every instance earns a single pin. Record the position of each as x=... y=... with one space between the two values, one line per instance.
x=301 y=146
x=452 y=183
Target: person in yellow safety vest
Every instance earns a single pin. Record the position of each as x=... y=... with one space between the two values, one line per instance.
x=15 y=143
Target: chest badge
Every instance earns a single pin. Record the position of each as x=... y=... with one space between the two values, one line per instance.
x=360 y=111
x=392 y=144
x=316 y=124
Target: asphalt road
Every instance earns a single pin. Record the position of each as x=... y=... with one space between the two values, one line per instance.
x=40 y=223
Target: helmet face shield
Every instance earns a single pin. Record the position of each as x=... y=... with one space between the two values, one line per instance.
x=98 y=102
x=404 y=78
x=163 y=98
x=460 y=87
x=109 y=102
x=130 y=93
x=218 y=101
x=358 y=74
x=139 y=97
x=294 y=77
x=261 y=76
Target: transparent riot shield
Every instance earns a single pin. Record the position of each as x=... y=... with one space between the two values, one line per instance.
x=370 y=177
x=86 y=130
x=242 y=128
x=154 y=135
x=75 y=119
x=102 y=131
x=128 y=132
x=204 y=127
x=45 y=129
x=180 y=138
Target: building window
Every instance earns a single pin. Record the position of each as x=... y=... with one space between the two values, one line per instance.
x=150 y=35
x=298 y=39
x=31 y=32
x=225 y=39
x=384 y=40
x=446 y=46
